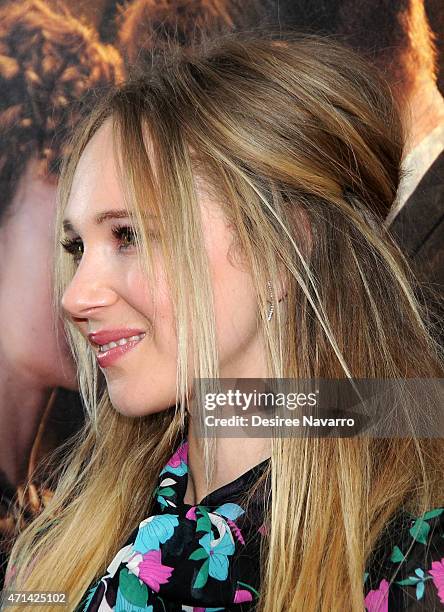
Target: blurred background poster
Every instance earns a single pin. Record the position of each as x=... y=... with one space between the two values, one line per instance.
x=55 y=58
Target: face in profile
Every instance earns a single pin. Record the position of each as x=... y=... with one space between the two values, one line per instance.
x=30 y=349
x=129 y=318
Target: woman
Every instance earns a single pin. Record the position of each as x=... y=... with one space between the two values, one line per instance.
x=223 y=217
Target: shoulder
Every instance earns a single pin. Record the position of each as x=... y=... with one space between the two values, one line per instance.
x=406 y=569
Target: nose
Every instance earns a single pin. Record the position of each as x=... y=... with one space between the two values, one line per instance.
x=88 y=291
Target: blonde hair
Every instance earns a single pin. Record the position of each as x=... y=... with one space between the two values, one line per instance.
x=302 y=144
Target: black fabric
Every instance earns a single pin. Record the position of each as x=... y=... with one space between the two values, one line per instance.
x=419 y=230
x=419 y=584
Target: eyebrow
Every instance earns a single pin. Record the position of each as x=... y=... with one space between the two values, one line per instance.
x=100 y=218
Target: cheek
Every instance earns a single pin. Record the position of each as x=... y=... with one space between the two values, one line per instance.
x=149 y=384
x=151 y=298
x=138 y=294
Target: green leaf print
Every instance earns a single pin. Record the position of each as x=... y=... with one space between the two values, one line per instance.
x=132 y=590
x=203 y=523
x=420 y=531
x=202 y=575
x=397 y=556
x=408 y=581
x=198 y=554
x=250 y=588
x=432 y=513
x=166 y=492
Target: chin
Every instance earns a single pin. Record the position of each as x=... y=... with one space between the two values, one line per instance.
x=129 y=408
x=125 y=408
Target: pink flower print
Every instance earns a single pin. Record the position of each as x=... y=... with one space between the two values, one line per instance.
x=179 y=456
x=377 y=600
x=437 y=572
x=242 y=595
x=191 y=514
x=237 y=532
x=152 y=572
x=263 y=529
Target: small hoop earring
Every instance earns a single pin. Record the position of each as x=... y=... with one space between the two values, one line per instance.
x=271 y=302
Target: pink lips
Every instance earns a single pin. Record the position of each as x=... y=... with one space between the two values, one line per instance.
x=108 y=357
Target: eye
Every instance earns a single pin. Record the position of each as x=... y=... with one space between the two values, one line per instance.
x=125 y=235
x=73 y=246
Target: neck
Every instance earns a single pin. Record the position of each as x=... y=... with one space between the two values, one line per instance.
x=233 y=457
x=21 y=406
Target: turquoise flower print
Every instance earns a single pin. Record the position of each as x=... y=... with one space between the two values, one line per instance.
x=218 y=552
x=90 y=595
x=122 y=605
x=230 y=511
x=419 y=580
x=215 y=553
x=180 y=470
x=178 y=463
x=155 y=530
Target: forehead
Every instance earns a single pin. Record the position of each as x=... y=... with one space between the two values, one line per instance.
x=95 y=187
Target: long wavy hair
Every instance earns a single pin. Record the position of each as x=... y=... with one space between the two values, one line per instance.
x=302 y=143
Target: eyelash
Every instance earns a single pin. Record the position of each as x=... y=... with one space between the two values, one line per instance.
x=120 y=232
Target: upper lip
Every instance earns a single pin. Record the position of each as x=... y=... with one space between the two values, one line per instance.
x=112 y=335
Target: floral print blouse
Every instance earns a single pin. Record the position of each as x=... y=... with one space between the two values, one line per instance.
x=205 y=558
